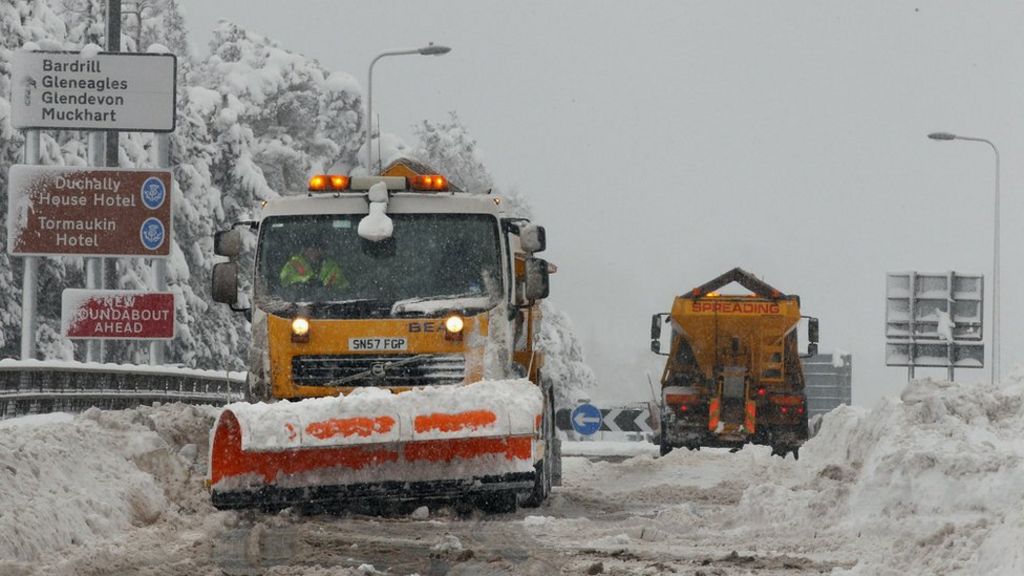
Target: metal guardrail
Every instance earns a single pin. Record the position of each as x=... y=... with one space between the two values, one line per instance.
x=39 y=387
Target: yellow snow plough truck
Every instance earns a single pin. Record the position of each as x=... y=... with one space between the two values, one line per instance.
x=733 y=373
x=393 y=358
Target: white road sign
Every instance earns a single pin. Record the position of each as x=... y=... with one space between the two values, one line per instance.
x=105 y=91
x=934 y=320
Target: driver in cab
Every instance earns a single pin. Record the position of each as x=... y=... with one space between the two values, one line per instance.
x=311 y=268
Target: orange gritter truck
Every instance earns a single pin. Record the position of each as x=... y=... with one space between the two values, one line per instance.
x=733 y=373
x=393 y=354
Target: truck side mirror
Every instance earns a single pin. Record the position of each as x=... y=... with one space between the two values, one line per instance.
x=812 y=337
x=656 y=321
x=536 y=280
x=225 y=283
x=656 y=327
x=228 y=243
x=533 y=238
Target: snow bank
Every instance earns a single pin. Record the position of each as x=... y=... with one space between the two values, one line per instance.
x=929 y=483
x=76 y=481
x=608 y=448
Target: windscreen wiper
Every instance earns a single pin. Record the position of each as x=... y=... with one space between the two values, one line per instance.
x=468 y=300
x=360 y=305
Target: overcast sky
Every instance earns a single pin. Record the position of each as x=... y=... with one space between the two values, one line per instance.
x=663 y=143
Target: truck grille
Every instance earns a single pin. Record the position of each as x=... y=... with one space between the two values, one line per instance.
x=432 y=370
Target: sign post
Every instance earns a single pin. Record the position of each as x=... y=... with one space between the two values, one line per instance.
x=95 y=268
x=31 y=272
x=163 y=160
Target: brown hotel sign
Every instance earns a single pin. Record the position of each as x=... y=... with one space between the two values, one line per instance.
x=88 y=212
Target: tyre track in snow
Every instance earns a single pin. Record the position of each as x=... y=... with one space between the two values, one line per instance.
x=581 y=529
x=618 y=519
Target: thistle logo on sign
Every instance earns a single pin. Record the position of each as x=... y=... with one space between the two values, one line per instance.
x=153 y=193
x=152 y=234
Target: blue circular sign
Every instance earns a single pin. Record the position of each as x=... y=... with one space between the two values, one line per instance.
x=153 y=193
x=586 y=419
x=152 y=233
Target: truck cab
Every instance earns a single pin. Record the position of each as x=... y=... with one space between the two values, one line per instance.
x=448 y=297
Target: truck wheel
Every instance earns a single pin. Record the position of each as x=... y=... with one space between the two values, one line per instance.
x=497 y=503
x=664 y=447
x=782 y=450
x=543 y=470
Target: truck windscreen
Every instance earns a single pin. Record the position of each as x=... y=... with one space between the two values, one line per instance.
x=323 y=259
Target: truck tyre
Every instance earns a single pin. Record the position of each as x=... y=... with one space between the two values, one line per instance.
x=556 y=469
x=543 y=470
x=497 y=503
x=664 y=447
x=782 y=450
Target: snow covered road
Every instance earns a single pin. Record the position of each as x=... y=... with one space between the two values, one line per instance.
x=932 y=483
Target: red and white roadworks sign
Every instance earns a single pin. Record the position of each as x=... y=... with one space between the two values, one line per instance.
x=117 y=314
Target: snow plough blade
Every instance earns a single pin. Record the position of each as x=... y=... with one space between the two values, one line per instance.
x=445 y=442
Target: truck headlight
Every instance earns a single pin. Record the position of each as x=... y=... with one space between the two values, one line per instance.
x=453 y=326
x=300 y=330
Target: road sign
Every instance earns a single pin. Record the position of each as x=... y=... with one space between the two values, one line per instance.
x=586 y=419
x=105 y=91
x=117 y=314
x=86 y=212
x=627 y=420
x=934 y=320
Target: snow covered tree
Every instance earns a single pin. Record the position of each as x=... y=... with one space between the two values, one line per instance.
x=448 y=147
x=563 y=358
x=283 y=116
x=21 y=22
x=86 y=21
x=209 y=335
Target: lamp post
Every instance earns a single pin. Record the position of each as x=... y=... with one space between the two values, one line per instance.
x=996 y=375
x=428 y=50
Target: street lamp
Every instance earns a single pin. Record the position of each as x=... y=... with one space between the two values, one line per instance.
x=428 y=50
x=995 y=251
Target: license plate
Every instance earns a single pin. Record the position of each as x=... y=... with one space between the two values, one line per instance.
x=381 y=343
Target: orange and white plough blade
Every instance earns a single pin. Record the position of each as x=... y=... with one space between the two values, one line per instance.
x=421 y=443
